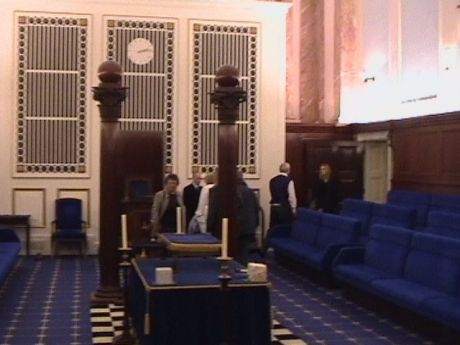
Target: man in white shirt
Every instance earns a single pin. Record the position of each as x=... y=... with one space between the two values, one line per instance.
x=198 y=222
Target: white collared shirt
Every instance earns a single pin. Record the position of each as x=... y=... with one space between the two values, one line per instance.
x=291 y=192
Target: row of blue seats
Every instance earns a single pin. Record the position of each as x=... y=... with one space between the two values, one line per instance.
x=368 y=213
x=10 y=247
x=314 y=238
x=405 y=266
x=424 y=203
x=413 y=270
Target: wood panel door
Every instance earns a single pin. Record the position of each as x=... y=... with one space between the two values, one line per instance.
x=376 y=171
x=346 y=160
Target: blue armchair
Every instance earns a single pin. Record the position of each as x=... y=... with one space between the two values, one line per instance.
x=138 y=188
x=68 y=225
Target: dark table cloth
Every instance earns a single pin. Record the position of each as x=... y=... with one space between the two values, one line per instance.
x=195 y=310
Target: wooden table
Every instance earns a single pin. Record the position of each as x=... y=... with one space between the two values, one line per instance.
x=18 y=220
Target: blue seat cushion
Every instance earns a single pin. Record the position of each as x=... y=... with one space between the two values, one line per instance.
x=404 y=292
x=445 y=232
x=358 y=209
x=337 y=230
x=4 y=269
x=70 y=234
x=314 y=257
x=416 y=200
x=289 y=247
x=357 y=206
x=444 y=224
x=434 y=261
x=444 y=309
x=8 y=255
x=439 y=219
x=10 y=247
x=445 y=202
x=305 y=227
x=393 y=215
x=362 y=218
x=387 y=248
x=8 y=235
x=360 y=275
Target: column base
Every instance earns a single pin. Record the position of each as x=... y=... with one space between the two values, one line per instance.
x=124 y=339
x=107 y=295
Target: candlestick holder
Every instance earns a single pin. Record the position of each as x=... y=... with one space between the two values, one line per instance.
x=125 y=338
x=225 y=277
x=224 y=270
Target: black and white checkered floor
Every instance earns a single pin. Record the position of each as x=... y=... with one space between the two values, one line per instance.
x=106 y=322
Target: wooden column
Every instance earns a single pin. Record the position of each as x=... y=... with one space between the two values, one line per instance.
x=227 y=96
x=110 y=94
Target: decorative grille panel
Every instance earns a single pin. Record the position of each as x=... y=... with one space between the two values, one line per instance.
x=146 y=51
x=51 y=94
x=215 y=45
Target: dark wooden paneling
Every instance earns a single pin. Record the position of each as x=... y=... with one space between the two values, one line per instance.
x=140 y=158
x=425 y=151
x=296 y=153
x=426 y=157
x=346 y=161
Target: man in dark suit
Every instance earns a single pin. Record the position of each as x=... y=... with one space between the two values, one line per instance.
x=247 y=217
x=191 y=196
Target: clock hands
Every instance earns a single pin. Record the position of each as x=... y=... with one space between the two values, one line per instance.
x=145 y=50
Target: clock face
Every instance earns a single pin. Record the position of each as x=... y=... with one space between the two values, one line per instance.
x=140 y=51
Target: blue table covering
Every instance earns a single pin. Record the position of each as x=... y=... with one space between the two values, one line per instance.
x=192 y=311
x=191 y=238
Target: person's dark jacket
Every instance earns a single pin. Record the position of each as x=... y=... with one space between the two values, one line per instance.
x=247 y=217
x=326 y=196
x=191 y=195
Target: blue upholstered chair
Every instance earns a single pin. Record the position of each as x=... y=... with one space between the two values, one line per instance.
x=68 y=225
x=416 y=200
x=444 y=224
x=361 y=210
x=138 y=189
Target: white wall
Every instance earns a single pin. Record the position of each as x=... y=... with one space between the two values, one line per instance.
x=36 y=195
x=410 y=52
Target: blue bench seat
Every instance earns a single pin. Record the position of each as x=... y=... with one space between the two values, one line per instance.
x=414 y=270
x=419 y=201
x=314 y=238
x=9 y=251
x=444 y=224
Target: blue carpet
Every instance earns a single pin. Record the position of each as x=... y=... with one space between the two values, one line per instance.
x=46 y=302
x=322 y=316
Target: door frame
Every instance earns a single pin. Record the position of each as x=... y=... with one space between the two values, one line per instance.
x=378 y=137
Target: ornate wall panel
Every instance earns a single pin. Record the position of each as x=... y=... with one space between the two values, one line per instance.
x=215 y=45
x=146 y=51
x=51 y=94
x=31 y=201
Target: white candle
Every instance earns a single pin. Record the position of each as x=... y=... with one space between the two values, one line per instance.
x=124 y=231
x=178 y=220
x=224 y=252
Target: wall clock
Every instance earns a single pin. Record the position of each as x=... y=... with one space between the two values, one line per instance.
x=140 y=51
